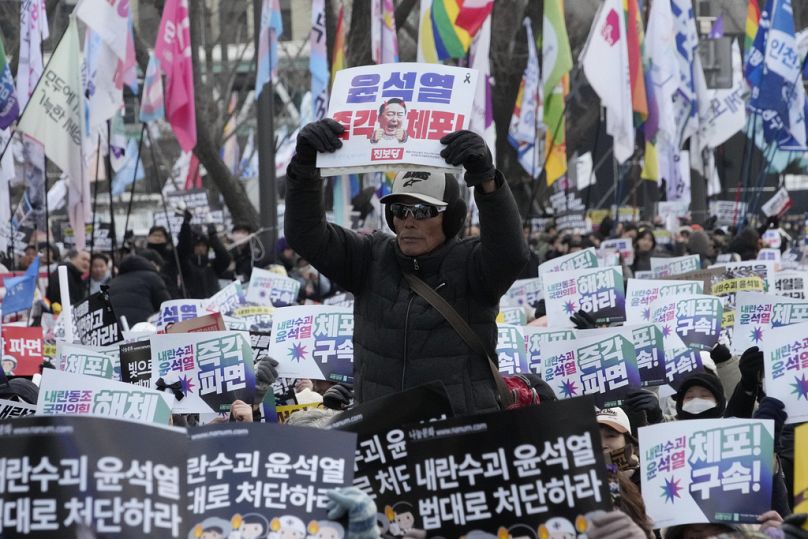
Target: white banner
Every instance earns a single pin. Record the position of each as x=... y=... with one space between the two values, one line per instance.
x=394 y=116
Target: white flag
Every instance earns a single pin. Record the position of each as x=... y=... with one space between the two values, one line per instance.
x=482 y=117
x=104 y=99
x=660 y=55
x=605 y=61
x=54 y=118
x=33 y=30
x=724 y=113
x=108 y=19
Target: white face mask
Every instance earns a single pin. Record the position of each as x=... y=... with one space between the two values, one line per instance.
x=698 y=405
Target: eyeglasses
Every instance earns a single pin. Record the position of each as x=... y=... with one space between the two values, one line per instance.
x=418 y=211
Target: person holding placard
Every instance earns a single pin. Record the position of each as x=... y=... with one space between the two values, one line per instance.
x=400 y=341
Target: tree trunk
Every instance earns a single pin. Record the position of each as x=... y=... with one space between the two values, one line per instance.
x=206 y=150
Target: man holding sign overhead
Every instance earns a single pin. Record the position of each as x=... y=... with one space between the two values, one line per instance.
x=400 y=340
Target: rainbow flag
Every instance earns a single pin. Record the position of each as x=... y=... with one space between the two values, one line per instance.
x=557 y=62
x=639 y=97
x=752 y=24
x=338 y=58
x=448 y=26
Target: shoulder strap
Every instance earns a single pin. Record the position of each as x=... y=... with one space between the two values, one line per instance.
x=462 y=328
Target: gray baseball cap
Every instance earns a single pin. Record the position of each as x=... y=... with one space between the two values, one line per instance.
x=428 y=187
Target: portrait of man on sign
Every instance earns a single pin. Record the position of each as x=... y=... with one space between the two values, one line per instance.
x=392 y=121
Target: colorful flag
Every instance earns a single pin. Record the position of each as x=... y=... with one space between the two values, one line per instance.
x=173 y=49
x=383 y=39
x=126 y=72
x=717 y=30
x=639 y=103
x=318 y=60
x=131 y=171
x=662 y=80
x=780 y=96
x=194 y=178
x=606 y=66
x=9 y=107
x=103 y=97
x=34 y=30
x=447 y=27
x=556 y=63
x=271 y=32
x=752 y=24
x=151 y=103
x=527 y=111
x=338 y=58
x=482 y=117
x=753 y=60
x=20 y=290
x=230 y=150
x=62 y=136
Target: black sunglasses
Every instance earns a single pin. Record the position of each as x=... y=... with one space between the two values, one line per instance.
x=418 y=211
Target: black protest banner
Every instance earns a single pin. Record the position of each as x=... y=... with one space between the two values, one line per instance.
x=381 y=451
x=517 y=471
x=136 y=363
x=98 y=237
x=273 y=476
x=63 y=476
x=95 y=322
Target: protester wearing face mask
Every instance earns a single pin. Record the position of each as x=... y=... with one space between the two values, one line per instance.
x=700 y=396
x=158 y=240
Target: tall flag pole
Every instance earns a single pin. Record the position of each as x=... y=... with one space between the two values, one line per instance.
x=605 y=64
x=556 y=64
x=318 y=60
x=527 y=111
x=271 y=32
x=383 y=39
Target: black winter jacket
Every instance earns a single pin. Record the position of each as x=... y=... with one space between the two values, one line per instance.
x=201 y=274
x=79 y=289
x=137 y=291
x=400 y=341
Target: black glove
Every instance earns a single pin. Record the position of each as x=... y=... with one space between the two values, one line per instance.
x=212 y=230
x=583 y=320
x=771 y=408
x=187 y=216
x=266 y=372
x=751 y=367
x=470 y=150
x=720 y=353
x=337 y=397
x=793 y=526
x=644 y=401
x=319 y=136
x=541 y=309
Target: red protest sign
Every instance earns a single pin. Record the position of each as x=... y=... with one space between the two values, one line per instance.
x=22 y=350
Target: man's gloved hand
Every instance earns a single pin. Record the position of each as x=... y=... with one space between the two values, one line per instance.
x=613 y=525
x=645 y=401
x=187 y=216
x=212 y=230
x=470 y=150
x=319 y=136
x=720 y=354
x=751 y=367
x=583 y=320
x=337 y=397
x=358 y=506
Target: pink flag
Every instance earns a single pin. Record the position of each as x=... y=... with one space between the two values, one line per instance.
x=173 y=49
x=126 y=73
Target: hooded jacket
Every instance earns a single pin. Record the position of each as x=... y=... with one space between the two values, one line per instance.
x=201 y=274
x=399 y=340
x=137 y=291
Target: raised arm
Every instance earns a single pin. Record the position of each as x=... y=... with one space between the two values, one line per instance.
x=502 y=252
x=336 y=252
